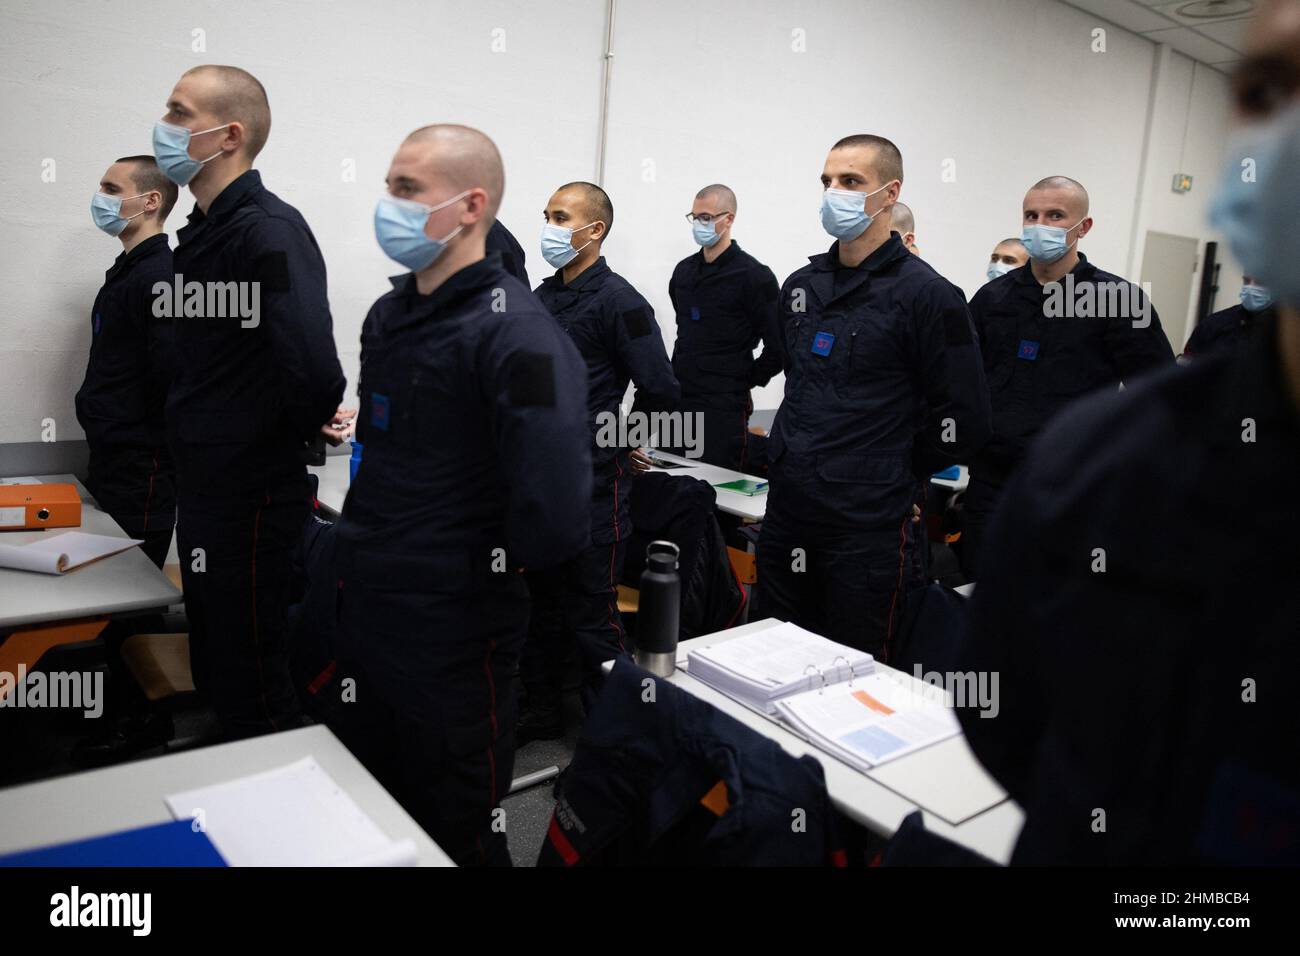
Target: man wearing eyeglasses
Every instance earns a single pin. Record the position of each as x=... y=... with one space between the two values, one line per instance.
x=726 y=303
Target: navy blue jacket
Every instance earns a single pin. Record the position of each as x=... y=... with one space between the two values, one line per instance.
x=1125 y=689
x=1227 y=327
x=614 y=329
x=121 y=399
x=473 y=420
x=245 y=400
x=500 y=239
x=1036 y=364
x=724 y=309
x=865 y=349
x=678 y=782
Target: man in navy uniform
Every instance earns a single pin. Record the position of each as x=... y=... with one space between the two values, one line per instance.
x=1050 y=331
x=255 y=381
x=473 y=416
x=120 y=402
x=872 y=335
x=616 y=333
x=120 y=408
x=1144 y=636
x=1229 y=327
x=726 y=303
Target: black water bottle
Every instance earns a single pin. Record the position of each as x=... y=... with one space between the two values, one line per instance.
x=659 y=610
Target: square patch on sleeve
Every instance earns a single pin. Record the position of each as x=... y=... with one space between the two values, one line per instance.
x=273 y=272
x=532 y=380
x=637 y=322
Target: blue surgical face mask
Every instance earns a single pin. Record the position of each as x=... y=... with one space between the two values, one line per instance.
x=998 y=269
x=557 y=244
x=106 y=210
x=1047 y=243
x=844 y=212
x=705 y=233
x=399 y=227
x=1257 y=206
x=171 y=147
x=1255 y=298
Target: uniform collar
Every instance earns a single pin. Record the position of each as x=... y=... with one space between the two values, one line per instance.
x=239 y=190
x=597 y=270
x=891 y=250
x=457 y=287
x=125 y=260
x=1083 y=271
x=727 y=255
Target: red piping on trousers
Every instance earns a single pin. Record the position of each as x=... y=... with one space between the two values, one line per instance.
x=149 y=497
x=561 y=843
x=612 y=608
x=898 y=585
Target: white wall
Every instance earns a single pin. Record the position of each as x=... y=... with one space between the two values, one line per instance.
x=1190 y=124
x=82 y=81
x=703 y=90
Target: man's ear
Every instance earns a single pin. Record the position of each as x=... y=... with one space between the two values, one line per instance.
x=235 y=138
x=1086 y=227
x=152 y=202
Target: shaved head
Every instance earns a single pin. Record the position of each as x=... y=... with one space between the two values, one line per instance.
x=1064 y=184
x=237 y=97
x=885 y=157
x=903 y=221
x=594 y=200
x=463 y=158
x=147 y=177
x=720 y=194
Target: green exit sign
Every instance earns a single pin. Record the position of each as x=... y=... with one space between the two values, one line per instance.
x=1182 y=183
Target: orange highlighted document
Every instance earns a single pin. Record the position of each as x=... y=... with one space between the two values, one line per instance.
x=862 y=697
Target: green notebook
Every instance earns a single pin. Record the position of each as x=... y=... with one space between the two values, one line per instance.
x=745 y=486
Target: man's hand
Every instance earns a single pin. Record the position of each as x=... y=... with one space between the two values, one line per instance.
x=640 y=461
x=916 y=513
x=341 y=427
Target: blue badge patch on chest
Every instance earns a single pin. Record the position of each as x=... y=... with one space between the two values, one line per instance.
x=1028 y=350
x=695 y=313
x=379 y=411
x=822 y=343
x=94 y=325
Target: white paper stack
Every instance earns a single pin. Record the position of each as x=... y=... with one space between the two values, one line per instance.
x=762 y=668
x=62 y=552
x=291 y=816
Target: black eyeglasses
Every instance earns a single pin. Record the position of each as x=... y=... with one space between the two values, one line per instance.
x=706 y=217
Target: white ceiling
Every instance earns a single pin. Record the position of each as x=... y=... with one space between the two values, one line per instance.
x=1216 y=38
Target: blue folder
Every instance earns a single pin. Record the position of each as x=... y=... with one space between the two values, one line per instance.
x=948 y=474
x=163 y=844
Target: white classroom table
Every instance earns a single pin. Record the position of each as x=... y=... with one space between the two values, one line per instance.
x=752 y=507
x=957 y=797
x=84 y=805
x=119 y=584
x=333 y=479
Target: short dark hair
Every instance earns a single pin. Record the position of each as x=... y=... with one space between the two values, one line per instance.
x=148 y=178
x=242 y=98
x=597 y=202
x=889 y=161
